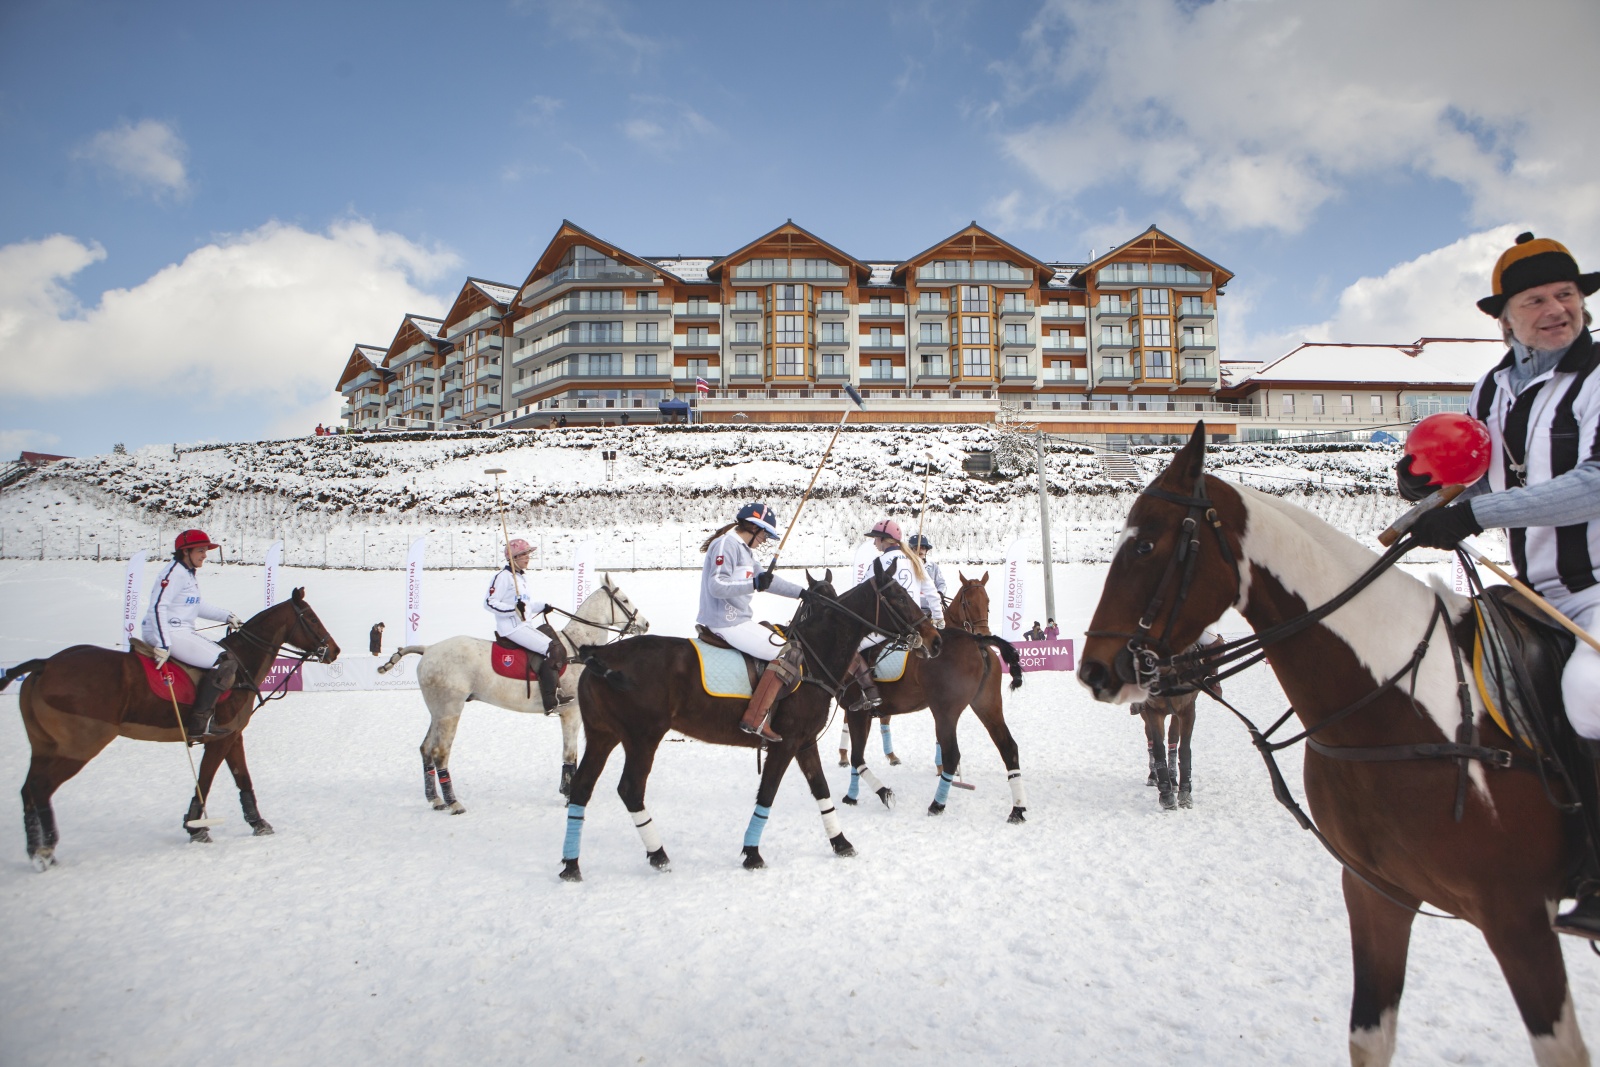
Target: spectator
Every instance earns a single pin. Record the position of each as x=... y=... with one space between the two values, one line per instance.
x=1051 y=630
x=561 y=420
x=624 y=418
x=1034 y=634
x=375 y=639
x=320 y=431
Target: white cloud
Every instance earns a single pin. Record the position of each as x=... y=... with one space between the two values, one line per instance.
x=265 y=318
x=149 y=155
x=664 y=126
x=598 y=24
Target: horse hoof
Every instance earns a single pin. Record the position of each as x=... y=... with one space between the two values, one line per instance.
x=43 y=859
x=201 y=836
x=457 y=808
x=894 y=761
x=841 y=847
x=848 y=800
x=1168 y=802
x=1016 y=816
x=658 y=859
x=752 y=858
x=1185 y=799
x=886 y=795
x=438 y=805
x=936 y=808
x=844 y=759
x=1150 y=780
x=263 y=828
x=570 y=872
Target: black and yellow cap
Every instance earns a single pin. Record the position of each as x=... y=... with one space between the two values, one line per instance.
x=1531 y=262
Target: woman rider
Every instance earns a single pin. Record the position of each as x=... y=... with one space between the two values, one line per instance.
x=913 y=577
x=168 y=627
x=728 y=578
x=512 y=609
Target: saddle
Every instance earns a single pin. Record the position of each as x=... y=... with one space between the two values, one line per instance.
x=1517 y=660
x=722 y=678
x=168 y=681
x=511 y=660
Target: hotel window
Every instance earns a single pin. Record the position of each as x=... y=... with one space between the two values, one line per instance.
x=1017 y=334
x=648 y=301
x=696 y=368
x=791 y=329
x=1156 y=302
x=1286 y=404
x=747 y=331
x=698 y=305
x=1347 y=404
x=1158 y=363
x=1113 y=367
x=931 y=333
x=974 y=298
x=644 y=364
x=930 y=302
x=1192 y=305
x=1017 y=367
x=830 y=300
x=647 y=333
x=600 y=300
x=596 y=333
x=1015 y=302
x=1195 y=337
x=747 y=363
x=974 y=329
x=601 y=364
x=833 y=364
x=881 y=305
x=1112 y=335
x=881 y=369
x=881 y=337
x=1157 y=332
x=1111 y=304
x=975 y=362
x=1377 y=404
x=832 y=333
x=1316 y=403
x=789 y=297
x=697 y=336
x=933 y=366
x=792 y=361
x=747 y=300
x=1194 y=367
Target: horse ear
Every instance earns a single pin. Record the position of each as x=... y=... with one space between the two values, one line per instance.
x=810 y=581
x=299 y=595
x=985 y=577
x=1190 y=460
x=827 y=575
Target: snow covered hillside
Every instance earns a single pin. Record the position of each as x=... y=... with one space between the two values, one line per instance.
x=358 y=501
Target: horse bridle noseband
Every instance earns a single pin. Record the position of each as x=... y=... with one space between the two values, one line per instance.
x=905 y=637
x=320 y=654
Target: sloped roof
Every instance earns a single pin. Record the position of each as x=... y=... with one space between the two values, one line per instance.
x=499 y=292
x=1152 y=231
x=973 y=228
x=572 y=229
x=789 y=226
x=363 y=358
x=1429 y=361
x=428 y=325
x=686 y=268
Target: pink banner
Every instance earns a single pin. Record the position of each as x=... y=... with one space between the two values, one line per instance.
x=1046 y=655
x=281 y=669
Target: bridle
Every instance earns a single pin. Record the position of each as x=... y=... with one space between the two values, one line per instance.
x=320 y=653
x=900 y=631
x=627 y=629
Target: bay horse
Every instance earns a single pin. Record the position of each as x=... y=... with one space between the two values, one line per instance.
x=1361 y=672
x=457 y=669
x=77 y=701
x=641 y=687
x=965 y=674
x=1168 y=749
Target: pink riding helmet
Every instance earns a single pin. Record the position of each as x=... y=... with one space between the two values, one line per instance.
x=885 y=528
x=517 y=547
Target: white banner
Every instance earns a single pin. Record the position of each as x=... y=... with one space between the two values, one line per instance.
x=1458 y=577
x=132 y=582
x=584 y=579
x=270 y=586
x=414 y=591
x=861 y=563
x=1013 y=591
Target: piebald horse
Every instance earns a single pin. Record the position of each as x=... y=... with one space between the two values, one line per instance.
x=1501 y=866
x=456 y=670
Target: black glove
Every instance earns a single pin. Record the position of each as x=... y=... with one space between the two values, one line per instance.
x=1412 y=486
x=522 y=609
x=1446 y=527
x=763 y=579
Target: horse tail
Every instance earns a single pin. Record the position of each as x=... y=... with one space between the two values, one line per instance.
x=13 y=673
x=588 y=656
x=1008 y=652
x=408 y=650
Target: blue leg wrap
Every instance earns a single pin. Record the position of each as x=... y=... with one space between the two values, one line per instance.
x=758 y=823
x=855 y=784
x=888 y=742
x=569 y=847
x=943 y=792
x=938 y=755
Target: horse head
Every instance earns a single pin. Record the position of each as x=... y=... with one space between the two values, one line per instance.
x=823 y=585
x=969 y=608
x=899 y=615
x=622 y=609
x=307 y=633
x=1169 y=578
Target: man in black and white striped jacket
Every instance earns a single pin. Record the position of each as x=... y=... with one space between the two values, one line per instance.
x=1542 y=407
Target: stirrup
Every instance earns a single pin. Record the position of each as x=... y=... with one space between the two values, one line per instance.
x=763 y=731
x=1582 y=921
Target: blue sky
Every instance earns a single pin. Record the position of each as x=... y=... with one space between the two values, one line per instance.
x=207 y=205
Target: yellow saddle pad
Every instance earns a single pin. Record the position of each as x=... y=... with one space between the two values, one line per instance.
x=722 y=670
x=890 y=668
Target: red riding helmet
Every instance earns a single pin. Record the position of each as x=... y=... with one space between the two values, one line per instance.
x=194 y=539
x=1450 y=448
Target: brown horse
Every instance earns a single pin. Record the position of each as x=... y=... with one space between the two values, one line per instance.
x=1362 y=675
x=966 y=674
x=1167 y=760
x=77 y=701
x=646 y=686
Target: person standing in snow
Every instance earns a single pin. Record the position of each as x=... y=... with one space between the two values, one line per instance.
x=513 y=608
x=1541 y=404
x=1051 y=630
x=375 y=639
x=168 y=627
x=728 y=578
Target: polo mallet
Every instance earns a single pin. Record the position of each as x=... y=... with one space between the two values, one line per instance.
x=505 y=532
x=922 y=513
x=203 y=821
x=862 y=404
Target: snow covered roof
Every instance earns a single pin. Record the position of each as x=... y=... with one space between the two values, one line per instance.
x=1433 y=361
x=500 y=294
x=372 y=354
x=428 y=326
x=1235 y=371
x=881 y=273
x=685 y=268
x=1062 y=276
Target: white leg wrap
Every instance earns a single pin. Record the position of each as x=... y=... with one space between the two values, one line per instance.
x=647 y=829
x=830 y=818
x=1019 y=795
x=844 y=738
x=869 y=779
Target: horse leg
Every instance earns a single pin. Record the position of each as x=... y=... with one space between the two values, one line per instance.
x=571 y=730
x=1380 y=937
x=1183 y=726
x=991 y=712
x=888 y=742
x=844 y=743
x=247 y=794
x=45 y=775
x=638 y=758
x=209 y=763
x=810 y=762
x=1152 y=742
x=1165 y=794
x=597 y=746
x=1530 y=957
x=436 y=760
x=859 y=723
x=944 y=724
x=777 y=763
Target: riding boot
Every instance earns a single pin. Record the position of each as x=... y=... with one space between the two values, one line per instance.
x=861 y=675
x=756 y=713
x=549 y=675
x=1583 y=920
x=197 y=721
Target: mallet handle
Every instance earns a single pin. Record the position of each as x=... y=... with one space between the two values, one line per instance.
x=1438 y=499
x=855 y=398
x=1538 y=601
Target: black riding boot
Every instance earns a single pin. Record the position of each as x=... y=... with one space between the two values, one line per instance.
x=861 y=674
x=1584 y=918
x=197 y=721
x=549 y=679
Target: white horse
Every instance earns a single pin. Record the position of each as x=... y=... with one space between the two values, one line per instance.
x=457 y=669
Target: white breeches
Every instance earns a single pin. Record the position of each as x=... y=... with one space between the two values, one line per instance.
x=1580 y=682
x=750 y=636
x=528 y=637
x=189 y=647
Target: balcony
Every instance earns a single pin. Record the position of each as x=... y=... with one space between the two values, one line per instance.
x=1202 y=342
x=369 y=400
x=745 y=342
x=1026 y=373
x=1116 y=311
x=1188 y=310
x=894 y=382
x=744 y=311
x=1010 y=309
x=1116 y=374
x=1065 y=311
x=1141 y=274
x=933 y=374
x=890 y=311
x=684 y=374
x=744 y=375
x=454 y=330
x=1065 y=342
x=1200 y=376
x=1067 y=374
x=939 y=340
x=840 y=312
x=423 y=399
x=1014 y=341
x=422 y=374
x=938 y=312
x=454 y=385
x=712 y=342
x=588 y=271
x=488 y=371
x=627 y=379
x=712 y=311
x=896 y=343
x=1121 y=341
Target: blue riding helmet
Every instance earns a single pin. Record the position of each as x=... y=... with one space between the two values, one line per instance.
x=919 y=541
x=760 y=515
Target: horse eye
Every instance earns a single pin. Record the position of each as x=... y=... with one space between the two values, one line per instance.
x=1144 y=548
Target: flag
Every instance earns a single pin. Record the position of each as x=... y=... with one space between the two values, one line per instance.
x=414 y=590
x=1014 y=594
x=702 y=385
x=270 y=579
x=583 y=574
x=132 y=580
x=861 y=562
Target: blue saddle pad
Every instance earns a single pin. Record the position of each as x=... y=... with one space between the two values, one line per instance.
x=722 y=670
x=890 y=668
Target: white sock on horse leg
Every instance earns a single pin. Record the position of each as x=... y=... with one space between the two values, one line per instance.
x=830 y=818
x=647 y=829
x=869 y=779
x=844 y=738
x=1019 y=795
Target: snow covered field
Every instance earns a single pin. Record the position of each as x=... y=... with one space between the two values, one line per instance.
x=373 y=930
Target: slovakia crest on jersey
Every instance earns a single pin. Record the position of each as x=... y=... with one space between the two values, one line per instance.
x=719 y=561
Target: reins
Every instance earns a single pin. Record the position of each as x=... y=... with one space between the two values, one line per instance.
x=626 y=629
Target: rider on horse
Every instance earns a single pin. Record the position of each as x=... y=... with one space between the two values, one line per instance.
x=1542 y=406
x=512 y=610
x=169 y=628
x=728 y=578
x=921 y=546
x=915 y=579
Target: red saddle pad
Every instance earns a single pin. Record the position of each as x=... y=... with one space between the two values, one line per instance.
x=509 y=662
x=168 y=680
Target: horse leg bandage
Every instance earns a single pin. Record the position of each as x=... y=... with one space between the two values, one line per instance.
x=855 y=783
x=1019 y=795
x=830 y=818
x=445 y=788
x=648 y=833
x=866 y=776
x=888 y=741
x=758 y=823
x=574 y=838
x=942 y=794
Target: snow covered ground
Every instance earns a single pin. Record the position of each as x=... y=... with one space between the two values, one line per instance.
x=372 y=929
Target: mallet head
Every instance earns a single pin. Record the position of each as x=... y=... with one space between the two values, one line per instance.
x=497 y=471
